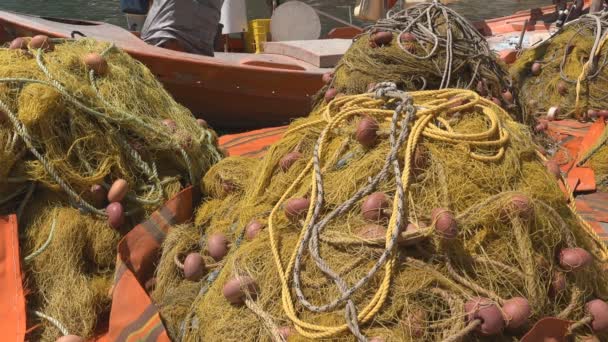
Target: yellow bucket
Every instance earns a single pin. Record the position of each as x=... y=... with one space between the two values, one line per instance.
x=258 y=33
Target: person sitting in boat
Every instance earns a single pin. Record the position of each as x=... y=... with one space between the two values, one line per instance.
x=183 y=25
x=565 y=13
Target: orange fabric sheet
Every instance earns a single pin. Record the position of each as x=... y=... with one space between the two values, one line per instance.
x=252 y=144
x=12 y=300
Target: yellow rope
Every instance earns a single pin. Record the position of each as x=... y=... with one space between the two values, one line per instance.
x=583 y=75
x=432 y=104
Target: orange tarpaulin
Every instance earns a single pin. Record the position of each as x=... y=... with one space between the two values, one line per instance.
x=251 y=144
x=12 y=301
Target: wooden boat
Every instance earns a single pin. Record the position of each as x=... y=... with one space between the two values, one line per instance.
x=230 y=90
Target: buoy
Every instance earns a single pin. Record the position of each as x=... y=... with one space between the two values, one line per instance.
x=116 y=215
x=558 y=284
x=253 y=229
x=228 y=186
x=482 y=88
x=381 y=38
x=553 y=113
x=118 y=190
x=289 y=159
x=507 y=96
x=541 y=126
x=553 y=168
x=573 y=259
x=488 y=313
x=328 y=77
x=371 y=232
x=285 y=332
x=99 y=195
x=592 y=113
x=295 y=208
x=374 y=207
x=97 y=63
x=217 y=246
x=598 y=309
x=238 y=288
x=42 y=42
x=202 y=123
x=445 y=223
x=407 y=37
x=409 y=229
x=194 y=267
x=517 y=205
x=367 y=132
x=536 y=68
x=18 y=44
x=562 y=88
x=376 y=339
x=516 y=312
x=330 y=94
x=170 y=124
x=497 y=101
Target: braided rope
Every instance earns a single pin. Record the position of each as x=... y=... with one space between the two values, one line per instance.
x=423 y=127
x=583 y=322
x=266 y=319
x=42 y=248
x=54 y=322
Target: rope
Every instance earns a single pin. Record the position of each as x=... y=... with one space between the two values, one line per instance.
x=583 y=322
x=42 y=248
x=266 y=319
x=54 y=322
x=424 y=126
x=28 y=196
x=464 y=332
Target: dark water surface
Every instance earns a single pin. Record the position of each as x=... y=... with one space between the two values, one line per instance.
x=108 y=10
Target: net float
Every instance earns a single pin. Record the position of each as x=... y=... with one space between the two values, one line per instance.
x=381 y=38
x=372 y=232
x=541 y=126
x=371 y=87
x=497 y=101
x=194 y=267
x=592 y=113
x=553 y=168
x=415 y=322
x=116 y=215
x=536 y=68
x=330 y=94
x=518 y=205
x=411 y=228
x=603 y=113
x=553 y=113
x=118 y=190
x=98 y=195
x=285 y=332
x=558 y=284
x=532 y=103
x=445 y=223
x=289 y=159
x=562 y=88
x=328 y=77
x=217 y=246
x=295 y=208
x=70 y=338
x=516 y=312
x=202 y=123
x=377 y=339
x=367 y=132
x=573 y=259
x=42 y=42
x=228 y=186
x=238 y=288
x=507 y=96
x=481 y=88
x=253 y=229
x=407 y=37
x=488 y=313
x=18 y=44
x=374 y=207
x=170 y=124
x=598 y=309
x=97 y=63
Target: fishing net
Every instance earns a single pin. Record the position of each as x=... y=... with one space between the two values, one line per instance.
x=81 y=125
x=426 y=46
x=384 y=218
x=565 y=76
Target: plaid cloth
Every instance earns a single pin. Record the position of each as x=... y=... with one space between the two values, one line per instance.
x=133 y=316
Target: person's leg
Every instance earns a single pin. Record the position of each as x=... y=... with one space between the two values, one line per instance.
x=173 y=44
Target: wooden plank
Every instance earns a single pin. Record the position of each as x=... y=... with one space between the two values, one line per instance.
x=323 y=53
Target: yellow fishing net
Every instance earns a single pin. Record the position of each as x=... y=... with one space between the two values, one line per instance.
x=391 y=216
x=74 y=136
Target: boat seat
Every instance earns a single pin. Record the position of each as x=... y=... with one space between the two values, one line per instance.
x=322 y=53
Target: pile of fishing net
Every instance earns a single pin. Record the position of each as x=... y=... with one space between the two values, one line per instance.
x=90 y=145
x=393 y=216
x=565 y=77
x=426 y=46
